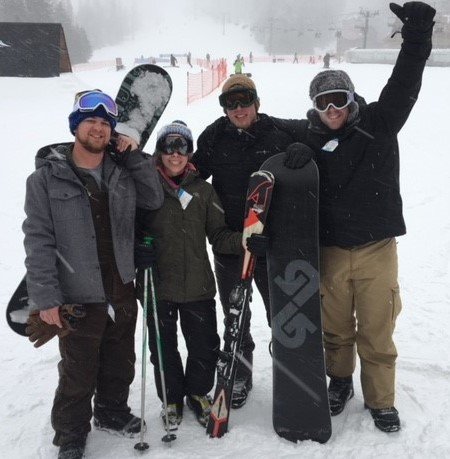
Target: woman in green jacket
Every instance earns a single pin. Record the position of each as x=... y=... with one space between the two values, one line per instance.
x=184 y=280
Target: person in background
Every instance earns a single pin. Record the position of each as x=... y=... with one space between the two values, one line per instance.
x=360 y=214
x=173 y=61
x=230 y=150
x=238 y=64
x=79 y=239
x=184 y=281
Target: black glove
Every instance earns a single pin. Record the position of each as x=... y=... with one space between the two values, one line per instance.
x=257 y=244
x=415 y=15
x=118 y=157
x=144 y=256
x=40 y=332
x=297 y=155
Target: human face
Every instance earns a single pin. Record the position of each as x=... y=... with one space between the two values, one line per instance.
x=243 y=117
x=94 y=134
x=175 y=162
x=334 y=118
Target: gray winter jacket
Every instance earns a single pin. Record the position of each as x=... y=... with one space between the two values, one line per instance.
x=60 y=242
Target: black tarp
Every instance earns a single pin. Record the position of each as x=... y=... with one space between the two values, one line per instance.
x=33 y=50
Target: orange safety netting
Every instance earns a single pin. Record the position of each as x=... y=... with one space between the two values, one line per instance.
x=201 y=84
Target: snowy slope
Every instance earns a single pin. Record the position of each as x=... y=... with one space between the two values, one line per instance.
x=34 y=113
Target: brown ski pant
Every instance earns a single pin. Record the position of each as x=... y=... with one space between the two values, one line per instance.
x=97 y=358
x=360 y=304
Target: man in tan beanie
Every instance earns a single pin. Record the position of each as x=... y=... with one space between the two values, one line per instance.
x=230 y=150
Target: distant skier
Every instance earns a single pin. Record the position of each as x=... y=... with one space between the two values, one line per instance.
x=238 y=64
x=173 y=61
x=326 y=61
x=188 y=58
x=250 y=57
x=295 y=58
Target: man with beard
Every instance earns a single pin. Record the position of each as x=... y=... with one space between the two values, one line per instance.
x=79 y=239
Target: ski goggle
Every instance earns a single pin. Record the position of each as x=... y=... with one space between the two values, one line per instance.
x=242 y=97
x=88 y=101
x=339 y=99
x=174 y=145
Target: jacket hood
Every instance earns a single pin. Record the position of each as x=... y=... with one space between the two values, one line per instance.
x=52 y=154
x=354 y=117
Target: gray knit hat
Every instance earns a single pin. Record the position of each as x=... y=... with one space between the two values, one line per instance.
x=329 y=80
x=175 y=127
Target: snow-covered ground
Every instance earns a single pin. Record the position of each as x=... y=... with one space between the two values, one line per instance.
x=34 y=113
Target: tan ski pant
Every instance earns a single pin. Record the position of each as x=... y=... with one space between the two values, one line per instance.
x=360 y=303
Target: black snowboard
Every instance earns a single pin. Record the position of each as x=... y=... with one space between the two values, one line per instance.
x=143 y=95
x=300 y=398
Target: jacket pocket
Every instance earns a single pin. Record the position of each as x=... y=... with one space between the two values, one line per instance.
x=396 y=304
x=66 y=204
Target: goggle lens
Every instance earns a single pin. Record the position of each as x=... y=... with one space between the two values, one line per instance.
x=91 y=100
x=338 y=99
x=231 y=100
x=176 y=145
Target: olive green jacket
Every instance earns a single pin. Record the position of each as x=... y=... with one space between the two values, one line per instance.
x=183 y=272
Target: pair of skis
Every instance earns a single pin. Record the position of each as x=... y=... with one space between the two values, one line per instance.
x=300 y=397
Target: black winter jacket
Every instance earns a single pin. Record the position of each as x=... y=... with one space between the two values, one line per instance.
x=230 y=155
x=360 y=198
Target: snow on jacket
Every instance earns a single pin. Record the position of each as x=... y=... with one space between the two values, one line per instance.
x=60 y=241
x=230 y=155
x=360 y=199
x=183 y=272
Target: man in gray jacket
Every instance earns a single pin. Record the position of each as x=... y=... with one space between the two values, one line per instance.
x=79 y=239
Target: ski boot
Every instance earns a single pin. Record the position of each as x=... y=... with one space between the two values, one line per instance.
x=241 y=389
x=386 y=419
x=340 y=391
x=73 y=449
x=201 y=406
x=174 y=415
x=117 y=422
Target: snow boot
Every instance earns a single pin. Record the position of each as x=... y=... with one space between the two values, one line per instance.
x=386 y=419
x=117 y=422
x=340 y=391
x=174 y=415
x=73 y=449
x=241 y=389
x=201 y=406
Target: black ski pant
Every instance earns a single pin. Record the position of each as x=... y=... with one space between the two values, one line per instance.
x=199 y=327
x=228 y=272
x=96 y=358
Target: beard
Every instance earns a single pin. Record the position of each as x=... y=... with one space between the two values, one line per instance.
x=93 y=146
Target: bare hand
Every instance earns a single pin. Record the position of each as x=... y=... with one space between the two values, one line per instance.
x=124 y=142
x=51 y=316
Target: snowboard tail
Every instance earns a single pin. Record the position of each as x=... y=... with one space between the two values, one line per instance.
x=257 y=204
x=300 y=396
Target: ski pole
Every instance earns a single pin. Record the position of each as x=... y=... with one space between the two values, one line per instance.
x=142 y=445
x=169 y=437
